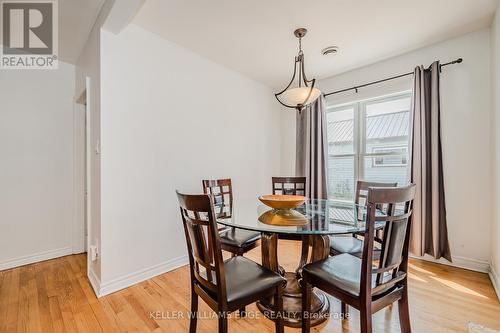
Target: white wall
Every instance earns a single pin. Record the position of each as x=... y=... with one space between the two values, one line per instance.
x=170 y=118
x=36 y=169
x=495 y=75
x=466 y=132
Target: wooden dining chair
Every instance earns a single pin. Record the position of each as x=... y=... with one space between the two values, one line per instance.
x=225 y=286
x=356 y=282
x=289 y=185
x=236 y=241
x=352 y=244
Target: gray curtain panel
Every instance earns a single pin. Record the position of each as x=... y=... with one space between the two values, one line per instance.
x=312 y=148
x=429 y=233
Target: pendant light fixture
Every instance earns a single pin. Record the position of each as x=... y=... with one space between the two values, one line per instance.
x=304 y=92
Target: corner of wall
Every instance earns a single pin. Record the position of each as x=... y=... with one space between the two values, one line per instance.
x=87 y=77
x=495 y=280
x=495 y=109
x=287 y=153
x=95 y=282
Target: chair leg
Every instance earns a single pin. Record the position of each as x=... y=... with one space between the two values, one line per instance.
x=194 y=311
x=306 y=305
x=365 y=316
x=404 y=312
x=243 y=312
x=278 y=310
x=343 y=310
x=222 y=322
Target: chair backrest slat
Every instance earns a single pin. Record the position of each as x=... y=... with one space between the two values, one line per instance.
x=393 y=262
x=222 y=192
x=202 y=238
x=362 y=190
x=289 y=185
x=361 y=196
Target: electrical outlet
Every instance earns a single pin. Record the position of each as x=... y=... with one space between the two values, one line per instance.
x=93 y=252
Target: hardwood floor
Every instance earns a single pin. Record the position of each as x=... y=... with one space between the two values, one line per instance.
x=55 y=296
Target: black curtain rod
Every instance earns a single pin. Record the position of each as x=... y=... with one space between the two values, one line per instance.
x=459 y=60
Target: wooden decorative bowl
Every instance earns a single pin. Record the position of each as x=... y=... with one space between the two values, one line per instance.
x=283 y=217
x=282 y=201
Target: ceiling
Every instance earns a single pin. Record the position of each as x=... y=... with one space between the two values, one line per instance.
x=256 y=38
x=76 y=18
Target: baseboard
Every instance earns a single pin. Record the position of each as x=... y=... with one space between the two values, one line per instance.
x=495 y=280
x=460 y=262
x=36 y=257
x=139 y=276
x=95 y=282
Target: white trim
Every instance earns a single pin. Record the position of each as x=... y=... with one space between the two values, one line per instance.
x=88 y=119
x=128 y=280
x=78 y=232
x=460 y=262
x=95 y=282
x=36 y=257
x=495 y=280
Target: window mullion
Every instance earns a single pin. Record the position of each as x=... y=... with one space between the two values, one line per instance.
x=360 y=137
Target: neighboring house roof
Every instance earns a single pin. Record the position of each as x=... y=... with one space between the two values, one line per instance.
x=382 y=126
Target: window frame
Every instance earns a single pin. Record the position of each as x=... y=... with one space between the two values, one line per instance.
x=359 y=138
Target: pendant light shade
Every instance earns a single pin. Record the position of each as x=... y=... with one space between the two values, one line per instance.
x=300 y=96
x=303 y=92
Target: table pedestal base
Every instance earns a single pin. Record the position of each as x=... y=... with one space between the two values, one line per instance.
x=292 y=295
x=292 y=304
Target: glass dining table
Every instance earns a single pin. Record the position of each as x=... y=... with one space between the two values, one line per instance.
x=312 y=223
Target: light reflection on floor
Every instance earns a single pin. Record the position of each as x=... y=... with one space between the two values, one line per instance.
x=458 y=287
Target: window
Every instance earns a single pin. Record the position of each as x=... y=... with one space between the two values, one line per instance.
x=368 y=140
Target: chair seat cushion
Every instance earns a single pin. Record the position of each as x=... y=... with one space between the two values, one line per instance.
x=245 y=278
x=342 y=271
x=239 y=237
x=351 y=245
x=345 y=244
